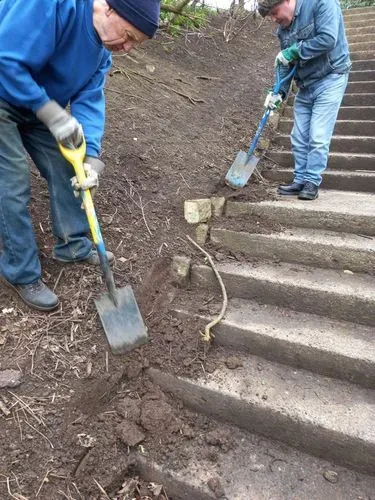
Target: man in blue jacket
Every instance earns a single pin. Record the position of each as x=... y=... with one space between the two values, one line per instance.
x=54 y=53
x=312 y=36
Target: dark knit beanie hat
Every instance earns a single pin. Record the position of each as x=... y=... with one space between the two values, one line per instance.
x=143 y=14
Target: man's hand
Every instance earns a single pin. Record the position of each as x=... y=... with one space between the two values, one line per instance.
x=63 y=126
x=286 y=56
x=92 y=167
x=273 y=101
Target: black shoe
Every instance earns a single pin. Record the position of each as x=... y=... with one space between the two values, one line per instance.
x=309 y=192
x=290 y=189
x=36 y=295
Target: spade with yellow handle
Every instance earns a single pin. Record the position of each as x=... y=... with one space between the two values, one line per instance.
x=118 y=309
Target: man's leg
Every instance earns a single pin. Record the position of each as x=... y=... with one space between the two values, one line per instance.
x=69 y=222
x=300 y=141
x=19 y=262
x=327 y=101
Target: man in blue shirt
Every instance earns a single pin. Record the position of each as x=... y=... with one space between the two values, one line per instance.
x=54 y=53
x=312 y=37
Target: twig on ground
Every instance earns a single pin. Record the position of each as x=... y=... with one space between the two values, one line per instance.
x=16 y=496
x=208 y=335
x=41 y=433
x=58 y=279
x=44 y=480
x=102 y=490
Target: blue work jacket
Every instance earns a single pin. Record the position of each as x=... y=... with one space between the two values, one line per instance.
x=318 y=29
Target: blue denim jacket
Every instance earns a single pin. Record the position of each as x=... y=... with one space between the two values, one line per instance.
x=318 y=29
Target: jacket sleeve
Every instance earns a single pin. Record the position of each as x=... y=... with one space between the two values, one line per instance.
x=21 y=50
x=327 y=18
x=88 y=107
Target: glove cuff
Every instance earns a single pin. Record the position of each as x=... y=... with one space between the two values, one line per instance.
x=48 y=112
x=96 y=164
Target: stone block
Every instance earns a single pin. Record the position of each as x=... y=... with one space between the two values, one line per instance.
x=197 y=211
x=201 y=233
x=274 y=120
x=180 y=269
x=263 y=143
x=217 y=206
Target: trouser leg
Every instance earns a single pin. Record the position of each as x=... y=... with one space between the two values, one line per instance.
x=19 y=262
x=69 y=221
x=300 y=134
x=327 y=101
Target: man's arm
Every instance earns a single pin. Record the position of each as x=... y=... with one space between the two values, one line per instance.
x=88 y=107
x=327 y=19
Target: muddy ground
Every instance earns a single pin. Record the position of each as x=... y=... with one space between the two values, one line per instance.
x=178 y=111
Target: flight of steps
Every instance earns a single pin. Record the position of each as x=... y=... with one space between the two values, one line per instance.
x=301 y=322
x=351 y=165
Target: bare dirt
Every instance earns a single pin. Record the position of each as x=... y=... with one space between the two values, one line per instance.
x=178 y=112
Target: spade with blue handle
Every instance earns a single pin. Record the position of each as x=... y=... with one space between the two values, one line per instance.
x=245 y=162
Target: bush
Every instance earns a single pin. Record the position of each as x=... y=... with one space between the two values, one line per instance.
x=352 y=4
x=195 y=16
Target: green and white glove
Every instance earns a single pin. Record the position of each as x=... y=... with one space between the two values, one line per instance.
x=273 y=101
x=62 y=125
x=92 y=167
x=286 y=56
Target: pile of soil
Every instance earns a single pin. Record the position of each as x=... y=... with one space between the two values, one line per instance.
x=178 y=110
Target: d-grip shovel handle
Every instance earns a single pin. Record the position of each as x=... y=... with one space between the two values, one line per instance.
x=267 y=112
x=76 y=157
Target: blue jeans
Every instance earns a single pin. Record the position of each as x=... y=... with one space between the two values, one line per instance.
x=315 y=114
x=21 y=132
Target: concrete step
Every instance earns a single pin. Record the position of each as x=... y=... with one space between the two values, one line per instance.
x=313 y=247
x=246 y=465
x=333 y=211
x=345 y=113
x=336 y=161
x=358 y=11
x=361 y=37
x=360 y=46
x=362 y=76
x=365 y=30
x=367 y=87
x=326 y=292
x=339 y=143
x=335 y=349
x=337 y=179
x=362 y=55
x=360 y=22
x=319 y=415
x=361 y=65
x=342 y=127
x=359 y=99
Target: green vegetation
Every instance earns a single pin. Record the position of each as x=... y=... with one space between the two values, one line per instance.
x=192 y=17
x=352 y=4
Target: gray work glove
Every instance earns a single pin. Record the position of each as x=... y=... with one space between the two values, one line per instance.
x=63 y=126
x=273 y=101
x=92 y=167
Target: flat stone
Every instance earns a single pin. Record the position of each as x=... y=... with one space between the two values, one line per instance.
x=197 y=211
x=331 y=476
x=129 y=433
x=10 y=378
x=233 y=362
